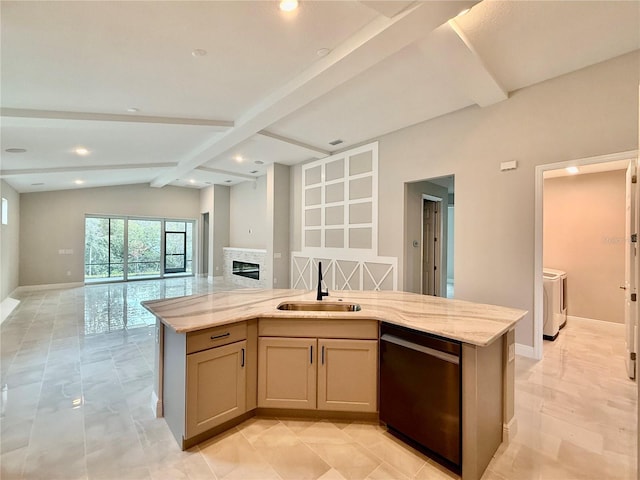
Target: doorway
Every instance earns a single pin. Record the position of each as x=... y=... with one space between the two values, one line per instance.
x=563 y=243
x=429 y=236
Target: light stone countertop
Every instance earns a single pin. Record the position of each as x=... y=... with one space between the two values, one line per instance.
x=473 y=323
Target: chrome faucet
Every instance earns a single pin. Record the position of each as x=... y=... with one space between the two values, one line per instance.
x=320 y=292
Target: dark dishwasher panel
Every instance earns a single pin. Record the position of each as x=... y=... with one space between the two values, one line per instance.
x=420 y=394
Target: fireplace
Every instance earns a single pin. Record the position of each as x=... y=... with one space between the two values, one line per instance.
x=246 y=269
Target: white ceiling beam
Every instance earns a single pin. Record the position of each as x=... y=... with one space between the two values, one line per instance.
x=372 y=44
x=388 y=8
x=219 y=171
x=471 y=74
x=290 y=141
x=82 y=168
x=112 y=117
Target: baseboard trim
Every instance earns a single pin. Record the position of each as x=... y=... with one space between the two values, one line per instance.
x=509 y=430
x=525 y=350
x=156 y=405
x=7 y=306
x=50 y=286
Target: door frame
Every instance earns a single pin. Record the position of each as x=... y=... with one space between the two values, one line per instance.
x=536 y=350
x=441 y=288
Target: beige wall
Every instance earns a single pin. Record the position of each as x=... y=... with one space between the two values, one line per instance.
x=586 y=113
x=53 y=221
x=248 y=214
x=584 y=235
x=278 y=259
x=9 y=242
x=220 y=222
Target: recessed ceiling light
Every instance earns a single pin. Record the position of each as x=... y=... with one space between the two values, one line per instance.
x=253 y=171
x=191 y=180
x=78 y=182
x=259 y=162
x=323 y=52
x=238 y=158
x=228 y=181
x=133 y=109
x=572 y=170
x=37 y=184
x=288 y=5
x=336 y=142
x=82 y=151
x=16 y=150
x=198 y=52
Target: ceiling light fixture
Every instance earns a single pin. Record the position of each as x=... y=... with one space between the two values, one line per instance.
x=82 y=151
x=228 y=181
x=133 y=110
x=238 y=158
x=198 y=52
x=16 y=150
x=288 y=5
x=259 y=162
x=78 y=182
x=39 y=184
x=572 y=170
x=191 y=180
x=323 y=52
x=336 y=142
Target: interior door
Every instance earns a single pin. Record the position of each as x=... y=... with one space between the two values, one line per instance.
x=431 y=247
x=630 y=287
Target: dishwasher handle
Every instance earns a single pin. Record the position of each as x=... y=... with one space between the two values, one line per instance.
x=447 y=357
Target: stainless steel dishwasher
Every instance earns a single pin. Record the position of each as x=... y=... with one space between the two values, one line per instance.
x=420 y=394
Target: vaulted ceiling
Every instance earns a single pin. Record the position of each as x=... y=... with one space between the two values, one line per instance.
x=199 y=93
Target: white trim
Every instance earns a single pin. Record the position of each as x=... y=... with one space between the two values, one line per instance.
x=51 y=286
x=7 y=306
x=509 y=430
x=304 y=265
x=525 y=350
x=346 y=202
x=538 y=243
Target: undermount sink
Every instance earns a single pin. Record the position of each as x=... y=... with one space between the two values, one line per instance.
x=320 y=306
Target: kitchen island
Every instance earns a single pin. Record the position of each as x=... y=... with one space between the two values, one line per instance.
x=224 y=357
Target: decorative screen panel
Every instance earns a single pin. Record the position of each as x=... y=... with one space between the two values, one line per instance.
x=340 y=209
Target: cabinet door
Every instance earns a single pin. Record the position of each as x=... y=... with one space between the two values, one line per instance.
x=216 y=387
x=348 y=375
x=287 y=372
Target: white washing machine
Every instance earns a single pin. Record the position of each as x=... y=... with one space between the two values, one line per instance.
x=555 y=304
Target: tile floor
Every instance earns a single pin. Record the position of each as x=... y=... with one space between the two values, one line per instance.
x=76 y=370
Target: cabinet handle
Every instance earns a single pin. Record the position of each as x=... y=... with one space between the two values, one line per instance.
x=323 y=355
x=242 y=358
x=311 y=354
x=217 y=337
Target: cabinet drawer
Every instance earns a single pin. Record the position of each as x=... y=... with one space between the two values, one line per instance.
x=216 y=336
x=306 y=327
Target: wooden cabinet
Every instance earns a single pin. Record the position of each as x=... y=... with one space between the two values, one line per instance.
x=287 y=372
x=347 y=375
x=216 y=387
x=324 y=374
x=209 y=379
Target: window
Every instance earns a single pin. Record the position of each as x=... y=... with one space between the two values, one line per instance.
x=124 y=248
